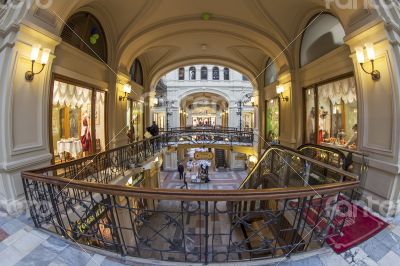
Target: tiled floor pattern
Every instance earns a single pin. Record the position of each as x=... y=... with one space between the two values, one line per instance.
x=20 y=244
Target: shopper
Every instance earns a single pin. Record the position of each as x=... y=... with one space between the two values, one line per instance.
x=153 y=129
x=181 y=170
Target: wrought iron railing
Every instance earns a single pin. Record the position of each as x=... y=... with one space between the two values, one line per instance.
x=283 y=167
x=182 y=225
x=209 y=135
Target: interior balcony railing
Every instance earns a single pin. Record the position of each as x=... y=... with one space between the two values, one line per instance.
x=284 y=215
x=209 y=135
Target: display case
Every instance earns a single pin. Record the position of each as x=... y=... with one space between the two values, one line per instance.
x=331 y=113
x=272 y=120
x=78 y=121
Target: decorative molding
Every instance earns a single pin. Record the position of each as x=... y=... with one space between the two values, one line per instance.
x=26 y=162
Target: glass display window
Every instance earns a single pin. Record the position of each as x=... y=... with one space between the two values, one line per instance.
x=77 y=121
x=273 y=120
x=248 y=121
x=310 y=113
x=135 y=112
x=331 y=112
x=100 y=121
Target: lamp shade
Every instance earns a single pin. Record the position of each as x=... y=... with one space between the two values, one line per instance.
x=45 y=56
x=35 y=52
x=280 y=89
x=360 y=55
x=127 y=88
x=370 y=51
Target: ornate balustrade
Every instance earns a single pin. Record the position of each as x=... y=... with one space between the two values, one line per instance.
x=209 y=135
x=77 y=201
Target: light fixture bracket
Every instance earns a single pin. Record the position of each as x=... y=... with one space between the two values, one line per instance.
x=375 y=74
x=123 y=98
x=30 y=75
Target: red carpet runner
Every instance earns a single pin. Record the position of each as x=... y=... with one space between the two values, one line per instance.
x=360 y=225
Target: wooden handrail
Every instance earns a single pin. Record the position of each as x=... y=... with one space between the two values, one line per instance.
x=194 y=195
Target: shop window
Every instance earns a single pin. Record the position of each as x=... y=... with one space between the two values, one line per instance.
x=135 y=113
x=335 y=114
x=78 y=121
x=204 y=73
x=84 y=26
x=136 y=72
x=181 y=73
x=273 y=120
x=226 y=73
x=192 y=72
x=216 y=73
x=159 y=118
x=248 y=121
x=310 y=111
x=100 y=121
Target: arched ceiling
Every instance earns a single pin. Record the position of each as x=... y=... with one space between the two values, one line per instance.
x=204 y=98
x=166 y=34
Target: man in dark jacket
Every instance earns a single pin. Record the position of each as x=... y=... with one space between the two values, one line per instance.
x=181 y=170
x=153 y=129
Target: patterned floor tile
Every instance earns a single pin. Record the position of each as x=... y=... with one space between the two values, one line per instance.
x=13 y=226
x=390 y=259
x=374 y=249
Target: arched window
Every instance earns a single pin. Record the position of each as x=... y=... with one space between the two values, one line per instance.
x=204 y=73
x=136 y=72
x=181 y=73
x=192 y=73
x=270 y=73
x=325 y=34
x=244 y=78
x=88 y=29
x=226 y=73
x=216 y=73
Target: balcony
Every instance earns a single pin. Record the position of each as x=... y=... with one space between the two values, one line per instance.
x=267 y=218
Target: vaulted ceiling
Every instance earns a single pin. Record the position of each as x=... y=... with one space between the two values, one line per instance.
x=166 y=34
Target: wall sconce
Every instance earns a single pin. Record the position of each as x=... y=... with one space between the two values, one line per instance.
x=156 y=102
x=29 y=75
x=375 y=74
x=253 y=101
x=127 y=91
x=279 y=90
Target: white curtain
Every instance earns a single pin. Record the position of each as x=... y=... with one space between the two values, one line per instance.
x=71 y=95
x=344 y=89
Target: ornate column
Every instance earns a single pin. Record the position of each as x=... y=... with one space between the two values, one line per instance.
x=379 y=111
x=24 y=112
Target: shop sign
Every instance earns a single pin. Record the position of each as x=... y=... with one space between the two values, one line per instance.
x=203 y=156
x=85 y=223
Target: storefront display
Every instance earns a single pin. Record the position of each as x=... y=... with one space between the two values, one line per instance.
x=135 y=111
x=248 y=121
x=273 y=120
x=78 y=121
x=204 y=121
x=332 y=114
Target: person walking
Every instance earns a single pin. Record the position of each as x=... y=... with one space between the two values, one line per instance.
x=185 y=184
x=181 y=170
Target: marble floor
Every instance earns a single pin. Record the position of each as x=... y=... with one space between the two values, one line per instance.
x=21 y=244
